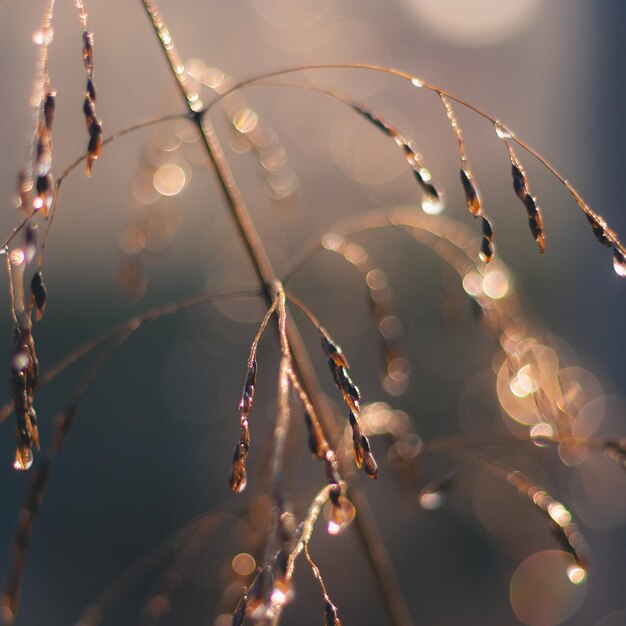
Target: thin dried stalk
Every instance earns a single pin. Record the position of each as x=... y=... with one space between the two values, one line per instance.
x=556 y=514
x=238 y=476
x=160 y=602
x=330 y=610
x=377 y=556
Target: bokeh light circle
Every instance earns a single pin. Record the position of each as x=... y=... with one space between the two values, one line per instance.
x=541 y=592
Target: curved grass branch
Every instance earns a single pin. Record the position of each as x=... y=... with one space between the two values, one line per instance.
x=129 y=326
x=601 y=229
x=556 y=514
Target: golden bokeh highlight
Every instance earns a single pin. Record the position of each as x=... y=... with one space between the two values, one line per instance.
x=243 y=564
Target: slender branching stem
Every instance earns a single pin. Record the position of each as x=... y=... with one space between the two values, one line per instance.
x=381 y=565
x=16 y=323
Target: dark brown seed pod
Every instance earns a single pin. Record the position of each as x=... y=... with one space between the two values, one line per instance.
x=91 y=90
x=369 y=463
x=44 y=184
x=599 y=229
x=95 y=132
x=519 y=181
x=94 y=147
x=40 y=293
x=428 y=188
x=333 y=351
x=412 y=157
x=89 y=110
x=486 y=253
x=24 y=375
x=349 y=390
x=49 y=107
x=238 y=477
x=471 y=193
x=486 y=250
x=521 y=188
x=375 y=120
x=357 y=436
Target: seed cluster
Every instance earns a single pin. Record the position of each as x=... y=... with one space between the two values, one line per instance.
x=520 y=185
x=24 y=369
x=338 y=364
x=432 y=196
x=472 y=198
x=94 y=125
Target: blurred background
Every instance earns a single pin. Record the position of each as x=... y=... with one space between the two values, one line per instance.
x=151 y=447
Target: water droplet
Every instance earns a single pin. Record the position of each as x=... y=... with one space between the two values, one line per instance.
x=339 y=517
x=425 y=174
x=432 y=500
x=417 y=82
x=245 y=121
x=619 y=264
x=576 y=574
x=542 y=434
x=502 y=131
x=432 y=206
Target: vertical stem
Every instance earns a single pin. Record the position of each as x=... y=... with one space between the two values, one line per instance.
x=369 y=535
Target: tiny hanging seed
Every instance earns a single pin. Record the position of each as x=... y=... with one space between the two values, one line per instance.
x=333 y=351
x=40 y=293
x=471 y=194
x=369 y=463
x=486 y=246
x=520 y=186
x=49 y=107
x=238 y=477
